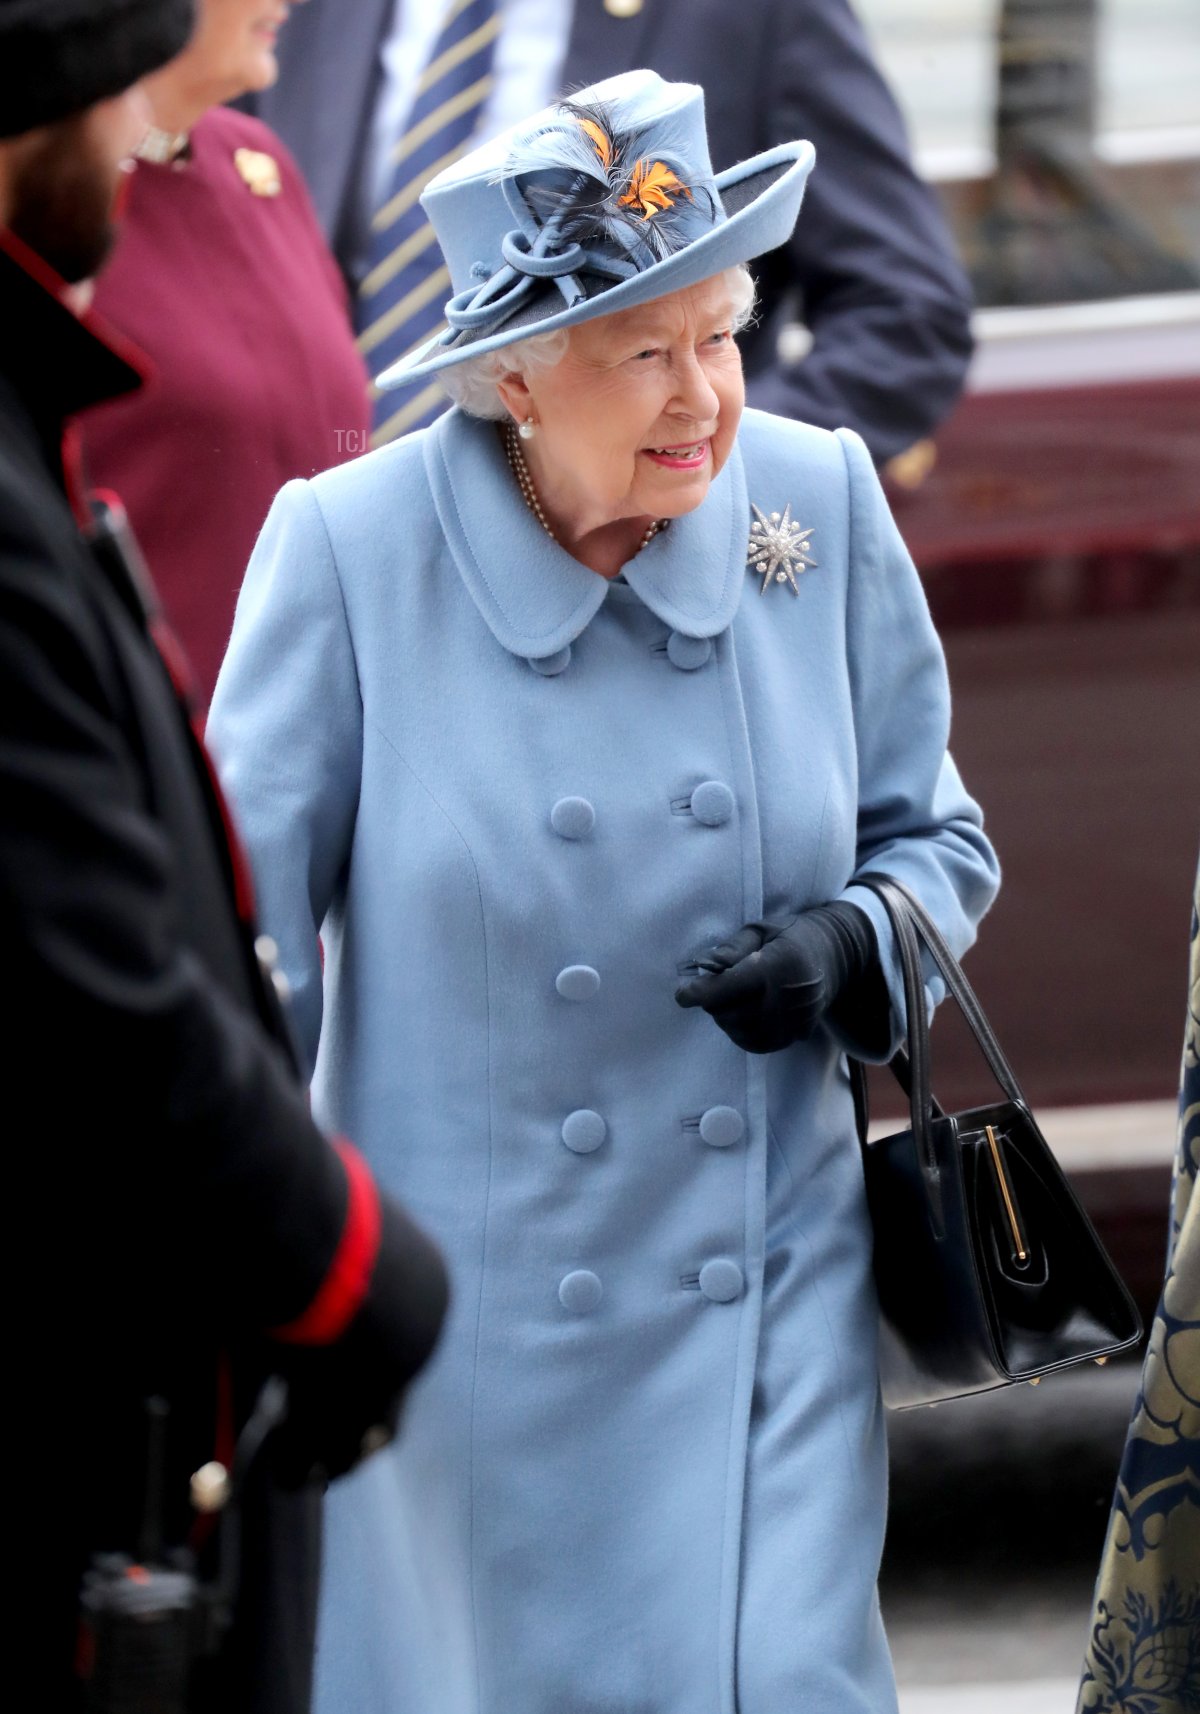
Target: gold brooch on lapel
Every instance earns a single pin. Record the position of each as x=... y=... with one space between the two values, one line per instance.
x=260 y=172
x=778 y=548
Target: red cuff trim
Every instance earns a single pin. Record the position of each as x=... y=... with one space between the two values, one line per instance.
x=340 y=1295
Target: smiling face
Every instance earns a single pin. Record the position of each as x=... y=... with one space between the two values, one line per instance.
x=640 y=414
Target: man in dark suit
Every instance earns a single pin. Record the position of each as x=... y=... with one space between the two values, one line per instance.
x=191 y=1239
x=871 y=270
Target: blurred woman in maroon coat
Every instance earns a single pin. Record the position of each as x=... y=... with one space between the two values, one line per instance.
x=223 y=277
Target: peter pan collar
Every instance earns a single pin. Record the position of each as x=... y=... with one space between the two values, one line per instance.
x=534 y=597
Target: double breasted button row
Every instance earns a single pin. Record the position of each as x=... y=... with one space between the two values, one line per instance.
x=720 y=1127
x=686 y=653
x=711 y=802
x=720 y=1281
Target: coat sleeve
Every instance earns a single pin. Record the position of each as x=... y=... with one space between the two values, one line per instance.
x=883 y=294
x=916 y=821
x=156 y=1101
x=286 y=727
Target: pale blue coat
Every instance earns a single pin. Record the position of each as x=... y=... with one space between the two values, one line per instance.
x=645 y=1473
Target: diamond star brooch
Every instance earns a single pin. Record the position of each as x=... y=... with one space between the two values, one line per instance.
x=778 y=548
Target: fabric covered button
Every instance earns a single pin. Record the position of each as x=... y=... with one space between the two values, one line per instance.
x=688 y=653
x=583 y=1131
x=577 y=982
x=551 y=665
x=720 y=1280
x=580 y=1292
x=721 y=1127
x=572 y=818
x=712 y=803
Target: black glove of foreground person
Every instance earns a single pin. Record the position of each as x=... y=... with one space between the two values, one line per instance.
x=345 y=1398
x=770 y=984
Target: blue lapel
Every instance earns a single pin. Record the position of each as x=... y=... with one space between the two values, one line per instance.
x=535 y=598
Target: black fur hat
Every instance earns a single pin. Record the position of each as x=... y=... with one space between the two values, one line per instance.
x=59 y=56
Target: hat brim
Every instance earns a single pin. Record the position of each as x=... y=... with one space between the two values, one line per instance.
x=761 y=198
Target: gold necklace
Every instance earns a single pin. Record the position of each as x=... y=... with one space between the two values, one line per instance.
x=520 y=470
x=164 y=148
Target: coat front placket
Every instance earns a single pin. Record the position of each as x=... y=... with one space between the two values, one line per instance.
x=622 y=1274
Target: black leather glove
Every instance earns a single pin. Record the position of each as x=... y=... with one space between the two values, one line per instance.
x=770 y=984
x=344 y=1399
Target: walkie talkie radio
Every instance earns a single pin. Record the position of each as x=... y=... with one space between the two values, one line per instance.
x=146 y=1621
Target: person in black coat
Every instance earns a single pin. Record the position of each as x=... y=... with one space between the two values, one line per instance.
x=197 y=1257
x=871 y=268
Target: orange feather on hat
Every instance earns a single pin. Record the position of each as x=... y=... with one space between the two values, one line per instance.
x=652 y=185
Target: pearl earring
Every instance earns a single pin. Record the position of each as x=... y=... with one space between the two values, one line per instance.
x=526 y=429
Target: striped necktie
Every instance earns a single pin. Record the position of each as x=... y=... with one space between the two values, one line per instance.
x=401 y=297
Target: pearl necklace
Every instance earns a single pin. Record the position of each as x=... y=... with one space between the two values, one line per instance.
x=525 y=482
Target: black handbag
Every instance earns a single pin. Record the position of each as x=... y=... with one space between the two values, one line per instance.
x=988 y=1271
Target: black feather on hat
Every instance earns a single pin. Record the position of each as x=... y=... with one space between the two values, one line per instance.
x=58 y=57
x=601 y=184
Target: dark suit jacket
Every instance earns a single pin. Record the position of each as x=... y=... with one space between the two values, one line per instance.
x=871 y=269
x=177 y=1210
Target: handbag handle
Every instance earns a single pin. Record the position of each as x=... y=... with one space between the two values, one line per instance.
x=913 y=1071
x=910 y=920
x=901 y=904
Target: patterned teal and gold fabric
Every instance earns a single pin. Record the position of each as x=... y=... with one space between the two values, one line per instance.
x=1143 y=1653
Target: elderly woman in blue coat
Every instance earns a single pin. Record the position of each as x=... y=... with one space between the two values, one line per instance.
x=569 y=723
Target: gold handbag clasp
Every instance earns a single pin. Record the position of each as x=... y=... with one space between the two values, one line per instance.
x=1010 y=1204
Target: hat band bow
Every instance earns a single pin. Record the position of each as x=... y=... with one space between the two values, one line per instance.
x=529 y=258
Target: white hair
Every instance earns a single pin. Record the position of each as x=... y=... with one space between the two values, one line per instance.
x=473 y=385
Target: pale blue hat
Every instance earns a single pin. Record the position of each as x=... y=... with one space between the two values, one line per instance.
x=597 y=204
